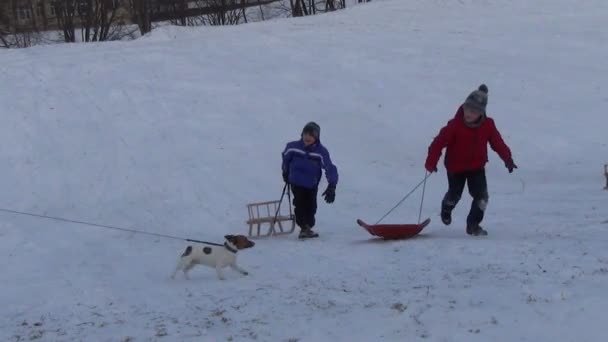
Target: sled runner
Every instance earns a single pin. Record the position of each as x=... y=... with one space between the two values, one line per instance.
x=394 y=231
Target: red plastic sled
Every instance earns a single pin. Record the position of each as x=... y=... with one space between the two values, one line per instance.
x=394 y=231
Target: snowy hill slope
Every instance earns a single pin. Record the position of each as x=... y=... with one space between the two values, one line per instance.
x=176 y=132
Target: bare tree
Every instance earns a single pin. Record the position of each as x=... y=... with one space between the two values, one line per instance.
x=5 y=28
x=141 y=14
x=277 y=9
x=18 y=25
x=180 y=8
x=66 y=11
x=301 y=8
x=222 y=13
x=332 y=5
x=244 y=11
x=96 y=19
x=280 y=9
x=204 y=12
x=298 y=8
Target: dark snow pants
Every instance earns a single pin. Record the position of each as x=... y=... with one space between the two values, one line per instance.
x=478 y=189
x=305 y=205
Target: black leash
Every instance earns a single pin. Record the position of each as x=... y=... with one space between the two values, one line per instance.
x=107 y=226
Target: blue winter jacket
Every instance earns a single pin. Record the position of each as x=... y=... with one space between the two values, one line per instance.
x=304 y=164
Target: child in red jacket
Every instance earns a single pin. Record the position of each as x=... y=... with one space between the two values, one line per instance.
x=465 y=138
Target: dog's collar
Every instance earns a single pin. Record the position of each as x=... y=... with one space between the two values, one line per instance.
x=230 y=248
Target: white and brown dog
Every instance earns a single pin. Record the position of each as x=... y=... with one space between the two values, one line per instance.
x=214 y=255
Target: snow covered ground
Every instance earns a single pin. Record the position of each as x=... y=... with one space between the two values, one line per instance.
x=174 y=133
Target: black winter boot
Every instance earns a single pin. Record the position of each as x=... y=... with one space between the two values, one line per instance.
x=446 y=216
x=307 y=233
x=476 y=230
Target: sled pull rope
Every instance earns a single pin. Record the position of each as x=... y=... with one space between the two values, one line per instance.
x=405 y=197
x=105 y=226
x=422 y=199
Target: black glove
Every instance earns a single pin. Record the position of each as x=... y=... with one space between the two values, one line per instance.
x=510 y=165
x=330 y=194
x=286 y=177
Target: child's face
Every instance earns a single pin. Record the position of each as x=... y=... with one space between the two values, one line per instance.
x=308 y=139
x=471 y=115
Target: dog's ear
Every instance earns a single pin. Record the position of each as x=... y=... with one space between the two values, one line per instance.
x=229 y=237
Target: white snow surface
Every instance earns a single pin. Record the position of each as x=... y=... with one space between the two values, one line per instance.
x=176 y=132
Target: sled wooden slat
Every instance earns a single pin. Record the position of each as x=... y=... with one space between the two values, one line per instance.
x=263 y=214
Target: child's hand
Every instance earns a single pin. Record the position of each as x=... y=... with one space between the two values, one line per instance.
x=430 y=168
x=510 y=165
x=286 y=177
x=330 y=194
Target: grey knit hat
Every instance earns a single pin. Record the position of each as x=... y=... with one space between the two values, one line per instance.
x=478 y=99
x=313 y=129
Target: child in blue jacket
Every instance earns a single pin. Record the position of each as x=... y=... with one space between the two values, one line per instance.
x=302 y=163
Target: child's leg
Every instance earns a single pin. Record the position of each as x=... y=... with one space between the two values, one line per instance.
x=300 y=205
x=456 y=183
x=308 y=208
x=478 y=188
x=312 y=207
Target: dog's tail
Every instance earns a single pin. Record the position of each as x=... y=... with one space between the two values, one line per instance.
x=187 y=251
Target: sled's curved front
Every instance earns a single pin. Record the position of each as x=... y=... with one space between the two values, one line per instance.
x=394 y=231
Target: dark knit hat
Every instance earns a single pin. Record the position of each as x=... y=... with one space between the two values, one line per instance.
x=478 y=99
x=313 y=129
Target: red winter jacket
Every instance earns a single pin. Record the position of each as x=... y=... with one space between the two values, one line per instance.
x=466 y=146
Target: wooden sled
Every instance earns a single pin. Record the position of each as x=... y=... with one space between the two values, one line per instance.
x=268 y=213
x=394 y=231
